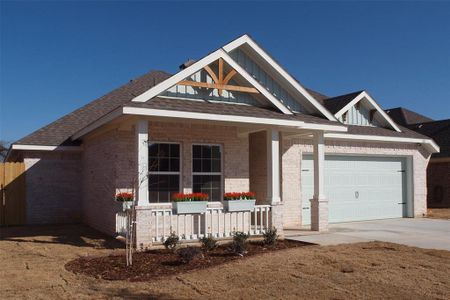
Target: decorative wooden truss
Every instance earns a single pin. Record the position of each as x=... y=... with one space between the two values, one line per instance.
x=220 y=81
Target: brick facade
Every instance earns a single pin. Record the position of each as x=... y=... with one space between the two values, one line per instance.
x=235 y=165
x=293 y=203
x=107 y=164
x=53 y=189
x=438 y=176
x=258 y=165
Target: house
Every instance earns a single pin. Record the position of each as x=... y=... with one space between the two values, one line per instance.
x=232 y=121
x=438 y=171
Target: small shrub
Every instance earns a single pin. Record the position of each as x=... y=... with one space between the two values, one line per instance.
x=188 y=254
x=239 y=245
x=172 y=241
x=270 y=236
x=208 y=243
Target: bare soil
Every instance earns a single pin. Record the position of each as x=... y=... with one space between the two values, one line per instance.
x=156 y=264
x=439 y=213
x=32 y=261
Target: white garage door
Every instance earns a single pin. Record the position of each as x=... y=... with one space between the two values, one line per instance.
x=358 y=188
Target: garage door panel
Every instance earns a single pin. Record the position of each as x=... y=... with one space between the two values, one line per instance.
x=358 y=188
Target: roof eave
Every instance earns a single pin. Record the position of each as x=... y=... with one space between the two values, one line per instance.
x=236 y=119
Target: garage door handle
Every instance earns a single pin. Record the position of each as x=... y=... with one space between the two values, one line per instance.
x=305 y=207
x=402 y=203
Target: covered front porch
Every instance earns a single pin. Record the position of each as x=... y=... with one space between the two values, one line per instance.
x=216 y=157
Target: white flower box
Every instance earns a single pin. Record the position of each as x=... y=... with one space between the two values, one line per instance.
x=239 y=205
x=190 y=207
x=126 y=205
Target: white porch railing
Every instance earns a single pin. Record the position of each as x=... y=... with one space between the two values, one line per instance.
x=121 y=223
x=215 y=222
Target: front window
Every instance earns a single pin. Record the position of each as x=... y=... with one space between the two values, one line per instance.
x=207 y=170
x=164 y=171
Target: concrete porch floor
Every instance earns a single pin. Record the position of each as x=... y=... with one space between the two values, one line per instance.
x=424 y=233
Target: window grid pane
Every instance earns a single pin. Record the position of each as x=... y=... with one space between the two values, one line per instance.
x=163 y=157
x=206 y=168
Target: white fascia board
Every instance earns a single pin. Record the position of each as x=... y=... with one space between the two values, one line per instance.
x=44 y=148
x=324 y=127
x=220 y=53
x=255 y=83
x=245 y=39
x=103 y=120
x=181 y=75
x=365 y=95
x=349 y=105
x=142 y=111
x=207 y=117
x=429 y=144
x=228 y=118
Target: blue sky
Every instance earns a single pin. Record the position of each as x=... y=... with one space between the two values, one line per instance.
x=58 y=56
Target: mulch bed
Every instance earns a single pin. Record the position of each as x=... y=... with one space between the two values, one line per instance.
x=155 y=264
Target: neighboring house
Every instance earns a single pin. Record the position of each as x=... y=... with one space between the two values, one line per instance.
x=232 y=121
x=438 y=172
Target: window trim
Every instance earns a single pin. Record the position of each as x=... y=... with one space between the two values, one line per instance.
x=222 y=183
x=180 y=168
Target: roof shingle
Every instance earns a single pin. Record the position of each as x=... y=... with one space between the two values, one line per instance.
x=405 y=116
x=59 y=132
x=335 y=104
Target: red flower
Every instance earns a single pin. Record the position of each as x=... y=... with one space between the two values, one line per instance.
x=238 y=196
x=190 y=197
x=121 y=197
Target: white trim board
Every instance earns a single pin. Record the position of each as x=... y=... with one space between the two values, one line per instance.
x=140 y=111
x=197 y=66
x=99 y=122
x=245 y=39
x=230 y=118
x=429 y=144
x=365 y=95
x=45 y=148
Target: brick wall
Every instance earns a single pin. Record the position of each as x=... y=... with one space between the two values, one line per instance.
x=438 y=174
x=106 y=164
x=290 y=182
x=258 y=165
x=109 y=164
x=293 y=202
x=53 y=189
x=235 y=149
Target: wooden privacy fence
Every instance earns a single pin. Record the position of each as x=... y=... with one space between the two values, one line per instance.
x=12 y=193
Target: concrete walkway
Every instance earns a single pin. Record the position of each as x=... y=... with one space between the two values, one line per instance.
x=424 y=233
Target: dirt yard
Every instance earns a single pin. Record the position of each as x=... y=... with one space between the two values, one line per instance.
x=439 y=213
x=32 y=263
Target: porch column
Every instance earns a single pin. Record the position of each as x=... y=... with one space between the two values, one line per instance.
x=273 y=166
x=141 y=128
x=319 y=204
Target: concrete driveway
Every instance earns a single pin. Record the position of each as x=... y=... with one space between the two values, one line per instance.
x=424 y=233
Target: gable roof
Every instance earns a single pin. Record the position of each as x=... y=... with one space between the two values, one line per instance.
x=373 y=103
x=59 y=132
x=335 y=104
x=276 y=67
x=317 y=95
x=438 y=131
x=405 y=116
x=197 y=66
